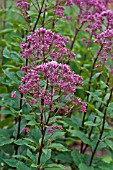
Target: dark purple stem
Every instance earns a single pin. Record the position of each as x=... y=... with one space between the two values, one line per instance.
x=75 y=35
x=102 y=130
x=40 y=11
x=19 y=123
x=90 y=79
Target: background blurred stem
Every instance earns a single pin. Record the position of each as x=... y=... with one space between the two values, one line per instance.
x=4 y=6
x=19 y=124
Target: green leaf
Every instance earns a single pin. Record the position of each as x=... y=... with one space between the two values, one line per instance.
x=110 y=108
x=83 y=166
x=22 y=157
x=32 y=123
x=2 y=11
x=46 y=155
x=26 y=142
x=58 y=147
x=20 y=74
x=109 y=143
x=32 y=156
x=3 y=89
x=6 y=112
x=11 y=76
x=32 y=147
x=107 y=158
x=7 y=121
x=11 y=162
x=57 y=135
x=79 y=134
x=74 y=67
x=36 y=134
x=55 y=97
x=20 y=142
x=5 y=31
x=57 y=166
x=96 y=76
x=64 y=158
x=104 y=166
x=78 y=158
x=5 y=141
x=22 y=166
x=6 y=53
x=90 y=123
x=26 y=108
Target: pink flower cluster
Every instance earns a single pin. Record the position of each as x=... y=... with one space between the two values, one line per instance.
x=49 y=79
x=23 y=4
x=79 y=102
x=27 y=130
x=98 y=5
x=99 y=24
x=14 y=94
x=69 y=3
x=44 y=45
x=90 y=13
x=59 y=11
x=53 y=128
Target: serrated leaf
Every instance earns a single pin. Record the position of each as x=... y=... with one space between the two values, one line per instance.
x=79 y=134
x=26 y=108
x=6 y=53
x=55 y=97
x=22 y=166
x=78 y=158
x=58 y=147
x=90 y=123
x=5 y=141
x=32 y=123
x=11 y=162
x=5 y=31
x=46 y=155
x=36 y=134
x=31 y=155
x=6 y=112
x=22 y=157
x=51 y=166
x=83 y=166
x=11 y=76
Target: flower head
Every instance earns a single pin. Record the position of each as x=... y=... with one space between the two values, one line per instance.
x=27 y=130
x=23 y=4
x=44 y=45
x=47 y=80
x=14 y=94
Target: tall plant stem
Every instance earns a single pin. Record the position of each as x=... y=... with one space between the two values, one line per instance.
x=19 y=117
x=90 y=80
x=75 y=35
x=89 y=136
x=40 y=11
x=19 y=124
x=73 y=41
x=41 y=147
x=103 y=125
x=42 y=142
x=92 y=70
x=85 y=55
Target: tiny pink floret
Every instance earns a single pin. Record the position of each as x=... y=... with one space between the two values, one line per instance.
x=14 y=95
